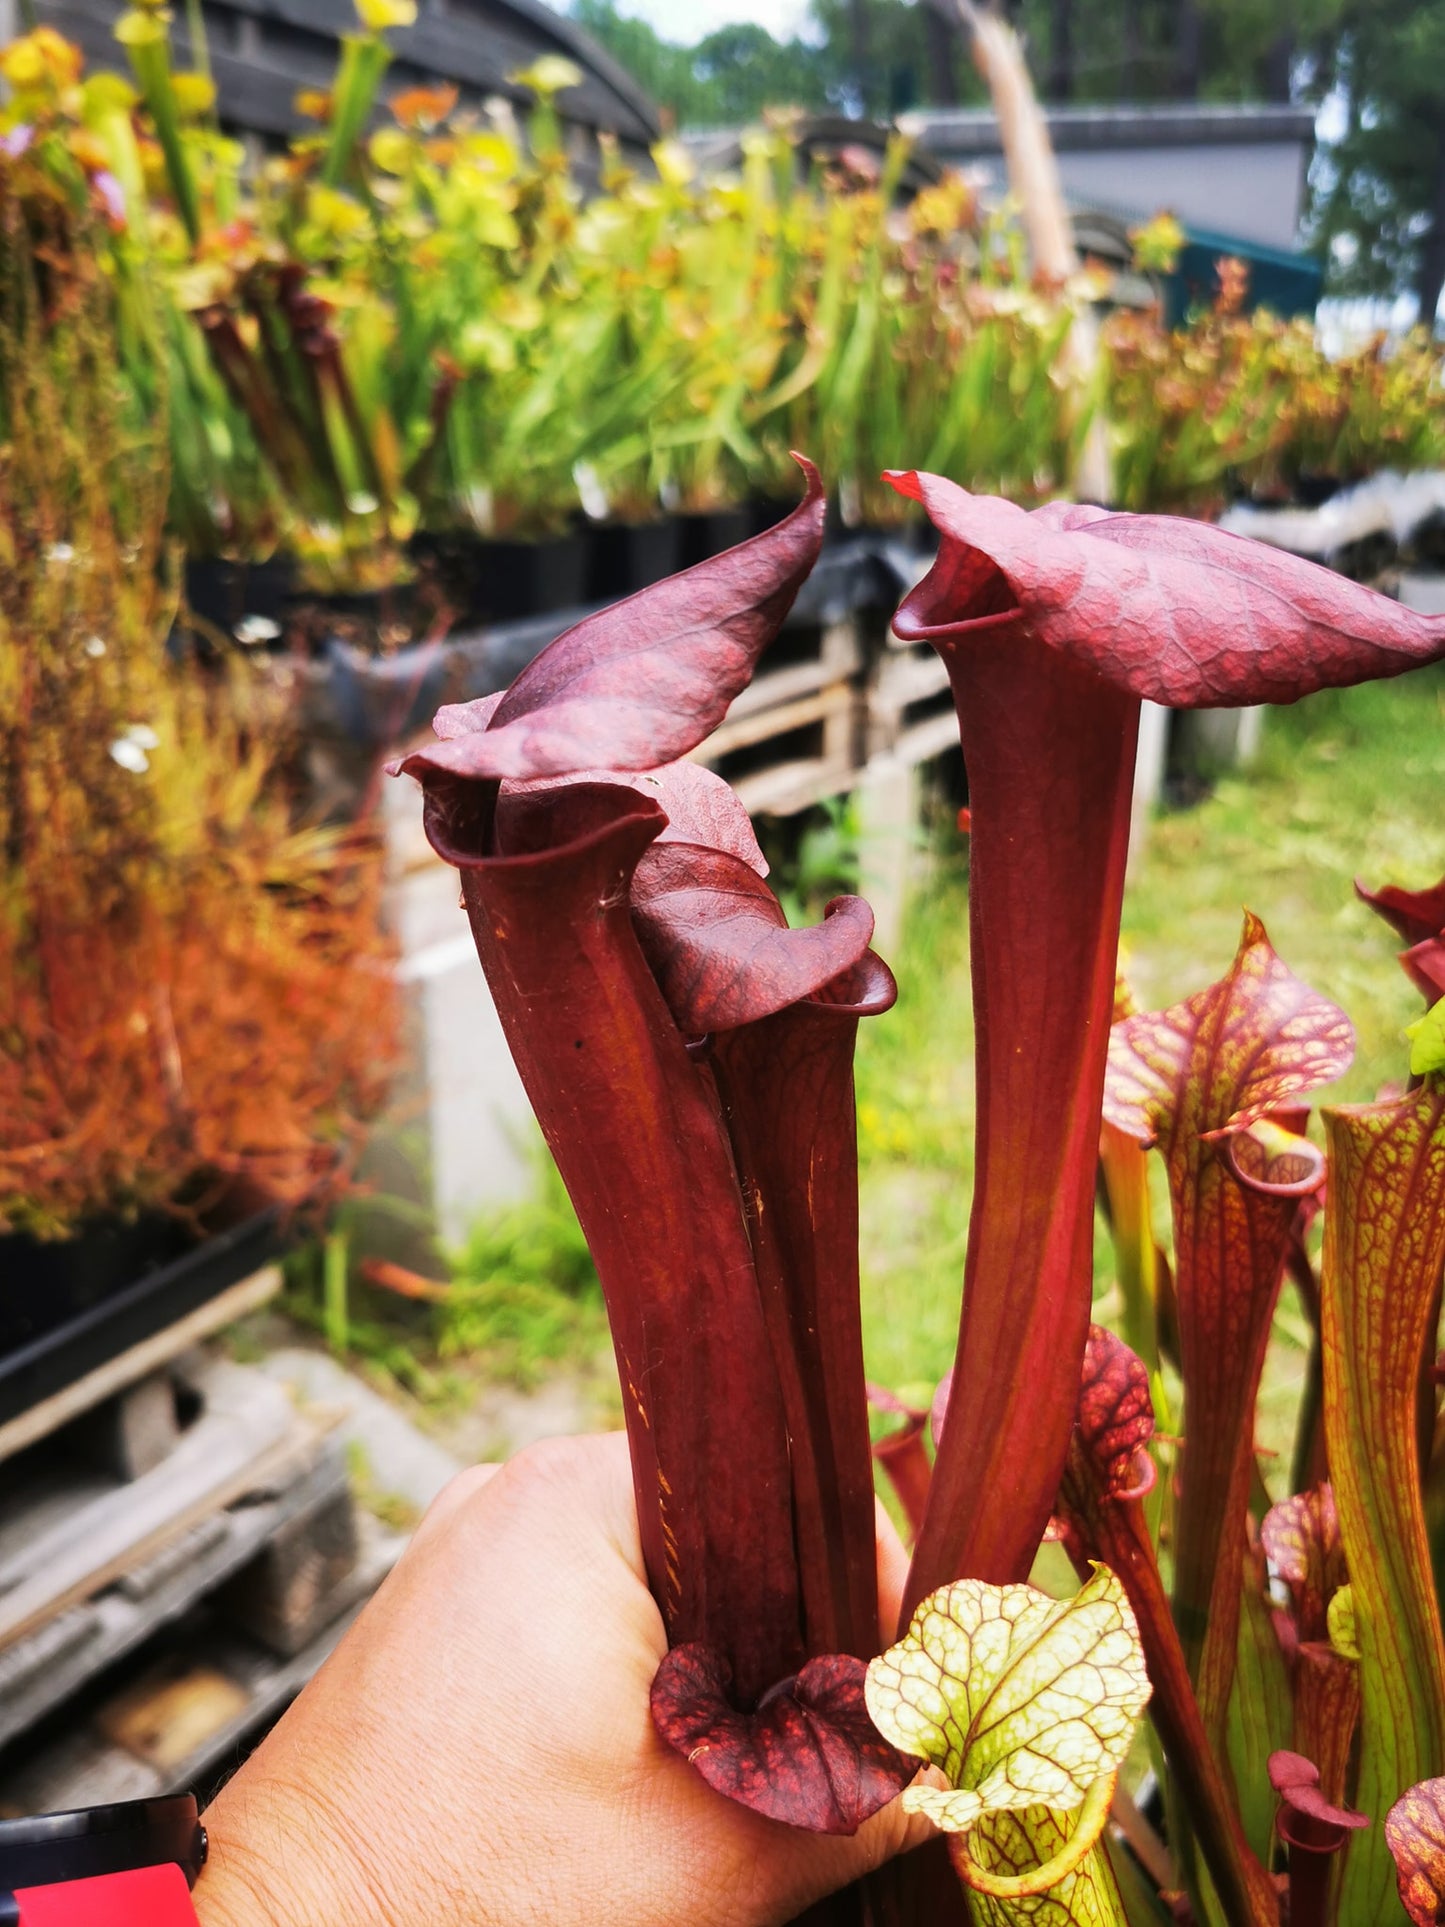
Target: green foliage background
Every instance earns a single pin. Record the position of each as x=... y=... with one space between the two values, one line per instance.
x=1377 y=190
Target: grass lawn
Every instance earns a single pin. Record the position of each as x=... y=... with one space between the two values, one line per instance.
x=1349 y=783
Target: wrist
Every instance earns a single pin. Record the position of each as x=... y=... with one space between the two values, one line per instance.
x=226 y=1895
x=234 y=1887
x=283 y=1856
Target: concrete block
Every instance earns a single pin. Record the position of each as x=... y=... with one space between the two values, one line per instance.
x=475 y=1123
x=1149 y=768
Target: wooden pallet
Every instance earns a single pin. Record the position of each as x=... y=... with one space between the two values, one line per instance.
x=909 y=706
x=783 y=758
x=791 y=737
x=72 y=1524
x=803 y=658
x=46 y=1667
x=184 y=1721
x=173 y=1568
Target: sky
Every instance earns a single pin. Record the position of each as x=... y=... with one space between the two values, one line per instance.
x=686 y=21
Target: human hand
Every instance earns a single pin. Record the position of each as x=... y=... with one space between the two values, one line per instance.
x=479 y=1751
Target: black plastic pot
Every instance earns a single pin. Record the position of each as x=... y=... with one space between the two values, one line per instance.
x=223 y=593
x=522 y=579
x=377 y=621
x=708 y=532
x=766 y=511
x=1312 y=488
x=628 y=556
x=506 y=581
x=69 y=1306
x=1367 y=559
x=1426 y=545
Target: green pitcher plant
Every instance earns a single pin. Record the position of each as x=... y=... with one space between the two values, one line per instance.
x=418 y=315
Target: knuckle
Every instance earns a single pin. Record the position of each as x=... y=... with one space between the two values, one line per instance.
x=456 y=1496
x=546 y=1466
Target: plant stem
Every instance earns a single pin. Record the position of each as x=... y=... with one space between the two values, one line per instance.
x=1049 y=749
x=336 y=1317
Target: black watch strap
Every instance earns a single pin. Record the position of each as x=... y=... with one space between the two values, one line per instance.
x=52 y=1847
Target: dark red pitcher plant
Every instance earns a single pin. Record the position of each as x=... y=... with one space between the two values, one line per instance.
x=690 y=1060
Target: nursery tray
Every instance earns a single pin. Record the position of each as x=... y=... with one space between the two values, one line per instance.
x=100 y=1327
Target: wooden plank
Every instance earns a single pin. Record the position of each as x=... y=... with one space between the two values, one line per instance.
x=776 y=687
x=901 y=679
x=50 y=1647
x=140 y=1361
x=838 y=654
x=904 y=681
x=249 y=1434
x=778 y=721
x=841 y=647
x=790 y=787
x=841 y=731
x=927 y=739
x=153 y=1575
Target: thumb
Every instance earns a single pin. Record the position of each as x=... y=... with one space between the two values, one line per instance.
x=821 y=1865
x=892 y=1571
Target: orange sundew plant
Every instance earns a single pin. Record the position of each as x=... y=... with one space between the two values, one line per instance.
x=183 y=974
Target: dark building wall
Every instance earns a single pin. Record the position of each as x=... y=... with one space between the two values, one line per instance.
x=263 y=51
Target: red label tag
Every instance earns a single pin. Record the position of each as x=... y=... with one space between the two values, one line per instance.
x=144 y=1897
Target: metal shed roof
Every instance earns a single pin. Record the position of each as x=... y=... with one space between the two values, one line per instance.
x=974 y=130
x=263 y=51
